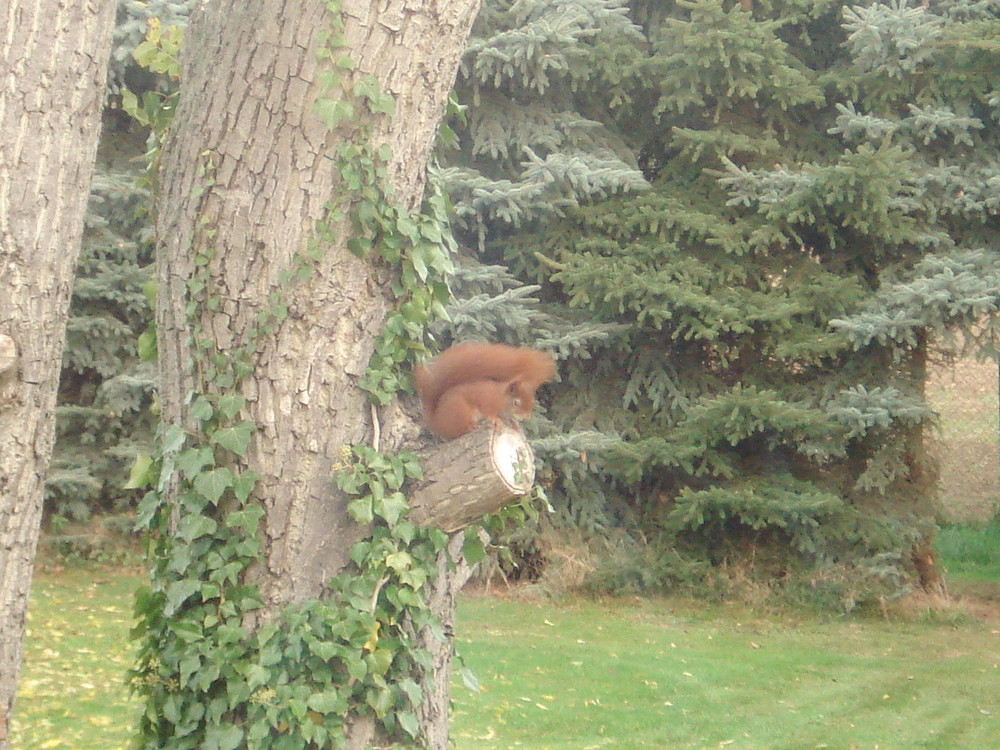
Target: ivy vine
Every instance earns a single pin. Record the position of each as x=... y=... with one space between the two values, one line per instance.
x=295 y=682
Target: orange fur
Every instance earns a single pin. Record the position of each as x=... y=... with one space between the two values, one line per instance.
x=472 y=382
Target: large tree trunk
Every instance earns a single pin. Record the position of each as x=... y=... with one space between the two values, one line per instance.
x=53 y=67
x=249 y=89
x=246 y=175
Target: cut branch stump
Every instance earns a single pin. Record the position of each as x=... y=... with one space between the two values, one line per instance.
x=472 y=476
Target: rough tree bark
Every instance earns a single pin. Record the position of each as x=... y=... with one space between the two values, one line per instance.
x=53 y=66
x=246 y=174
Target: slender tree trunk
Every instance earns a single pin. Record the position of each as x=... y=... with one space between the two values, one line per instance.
x=53 y=65
x=246 y=175
x=924 y=476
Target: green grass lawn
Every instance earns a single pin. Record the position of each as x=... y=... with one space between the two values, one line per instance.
x=972 y=552
x=72 y=690
x=623 y=674
x=643 y=675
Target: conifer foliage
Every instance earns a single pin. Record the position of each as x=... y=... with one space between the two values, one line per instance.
x=821 y=216
x=103 y=419
x=533 y=139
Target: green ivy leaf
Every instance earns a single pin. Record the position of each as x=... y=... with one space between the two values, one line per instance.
x=191 y=461
x=415 y=578
x=179 y=592
x=360 y=551
x=228 y=573
x=393 y=507
x=210 y=591
x=431 y=231
x=146 y=346
x=201 y=409
x=413 y=692
x=228 y=737
x=172 y=709
x=189 y=632
x=230 y=404
x=366 y=87
x=192 y=526
x=380 y=701
x=180 y=558
x=247 y=519
x=173 y=439
x=211 y=484
x=380 y=660
x=190 y=664
x=419 y=265
x=256 y=676
x=333 y=112
x=146 y=510
x=473 y=549
x=235 y=439
x=469 y=679
x=408 y=722
x=143 y=472
x=329 y=702
x=361 y=509
x=404 y=531
x=399 y=561
x=350 y=482
x=395 y=474
x=383 y=104
x=298 y=708
x=405 y=596
x=357 y=669
x=411 y=465
x=130 y=103
x=244 y=483
x=166 y=471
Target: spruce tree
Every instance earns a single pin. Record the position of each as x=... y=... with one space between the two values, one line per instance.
x=527 y=145
x=103 y=417
x=532 y=138
x=822 y=210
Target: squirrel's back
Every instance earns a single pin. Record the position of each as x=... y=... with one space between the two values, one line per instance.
x=470 y=382
x=464 y=363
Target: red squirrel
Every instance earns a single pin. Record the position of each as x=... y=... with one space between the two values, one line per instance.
x=468 y=383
